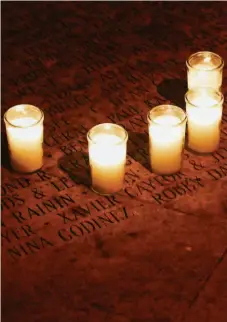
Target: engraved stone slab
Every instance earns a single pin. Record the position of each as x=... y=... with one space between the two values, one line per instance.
x=156 y=251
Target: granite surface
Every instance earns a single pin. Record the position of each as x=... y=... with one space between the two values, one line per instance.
x=154 y=252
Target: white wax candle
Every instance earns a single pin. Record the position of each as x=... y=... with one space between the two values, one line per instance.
x=166 y=144
x=204 y=124
x=25 y=144
x=107 y=160
x=205 y=74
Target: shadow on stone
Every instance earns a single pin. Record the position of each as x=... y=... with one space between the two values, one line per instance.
x=76 y=165
x=173 y=90
x=138 y=148
x=5 y=159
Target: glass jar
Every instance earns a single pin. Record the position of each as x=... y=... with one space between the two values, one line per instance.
x=166 y=138
x=107 y=146
x=24 y=129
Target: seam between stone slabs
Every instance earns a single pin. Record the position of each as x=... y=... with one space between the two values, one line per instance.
x=204 y=284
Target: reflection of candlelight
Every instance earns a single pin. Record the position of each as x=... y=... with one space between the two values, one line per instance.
x=167 y=134
x=107 y=156
x=24 y=127
x=204 y=111
x=205 y=69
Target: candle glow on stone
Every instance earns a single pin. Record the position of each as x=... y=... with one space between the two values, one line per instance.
x=107 y=157
x=25 y=137
x=166 y=134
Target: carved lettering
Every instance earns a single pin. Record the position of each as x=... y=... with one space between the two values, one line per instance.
x=88 y=226
x=29 y=247
x=17 y=184
x=218 y=173
x=171 y=193
x=219 y=155
x=11 y=202
x=11 y=234
x=44 y=208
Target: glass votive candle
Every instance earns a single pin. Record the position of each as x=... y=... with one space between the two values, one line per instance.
x=166 y=127
x=205 y=70
x=204 y=113
x=107 y=146
x=24 y=129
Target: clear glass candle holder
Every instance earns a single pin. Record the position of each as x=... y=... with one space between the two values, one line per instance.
x=166 y=125
x=204 y=113
x=107 y=146
x=24 y=129
x=204 y=69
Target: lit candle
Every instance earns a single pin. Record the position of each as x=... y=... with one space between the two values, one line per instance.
x=166 y=138
x=24 y=129
x=204 y=112
x=107 y=156
x=205 y=70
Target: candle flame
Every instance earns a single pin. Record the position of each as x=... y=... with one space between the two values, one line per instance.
x=106 y=150
x=207 y=59
x=20 y=108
